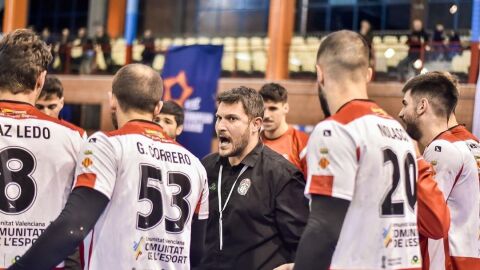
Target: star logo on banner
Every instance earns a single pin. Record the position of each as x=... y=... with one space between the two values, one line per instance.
x=181 y=80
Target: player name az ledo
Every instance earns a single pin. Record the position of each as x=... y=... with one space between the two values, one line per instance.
x=163 y=155
x=24 y=131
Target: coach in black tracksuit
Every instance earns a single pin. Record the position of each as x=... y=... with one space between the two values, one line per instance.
x=257 y=207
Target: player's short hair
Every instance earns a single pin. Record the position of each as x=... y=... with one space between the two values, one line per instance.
x=23 y=56
x=137 y=87
x=52 y=87
x=342 y=54
x=251 y=100
x=439 y=89
x=172 y=108
x=274 y=92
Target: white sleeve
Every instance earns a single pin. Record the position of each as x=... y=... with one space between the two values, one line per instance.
x=96 y=165
x=331 y=161
x=446 y=161
x=202 y=206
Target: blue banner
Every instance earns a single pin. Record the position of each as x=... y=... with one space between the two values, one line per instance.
x=476 y=21
x=190 y=77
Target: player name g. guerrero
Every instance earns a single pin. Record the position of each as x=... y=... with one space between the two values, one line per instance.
x=163 y=155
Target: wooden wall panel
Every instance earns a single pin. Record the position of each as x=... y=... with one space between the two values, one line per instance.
x=303 y=99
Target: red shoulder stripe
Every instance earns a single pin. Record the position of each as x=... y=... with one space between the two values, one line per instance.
x=356 y=109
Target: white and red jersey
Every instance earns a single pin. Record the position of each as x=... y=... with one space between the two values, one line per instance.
x=38 y=156
x=461 y=132
x=457 y=176
x=154 y=185
x=363 y=155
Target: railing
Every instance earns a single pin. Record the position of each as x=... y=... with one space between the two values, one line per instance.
x=247 y=56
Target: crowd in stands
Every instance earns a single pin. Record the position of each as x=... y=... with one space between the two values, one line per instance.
x=405 y=55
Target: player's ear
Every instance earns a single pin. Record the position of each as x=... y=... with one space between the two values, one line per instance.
x=40 y=82
x=179 y=130
x=113 y=101
x=158 y=108
x=422 y=106
x=286 y=107
x=62 y=102
x=320 y=75
x=369 y=74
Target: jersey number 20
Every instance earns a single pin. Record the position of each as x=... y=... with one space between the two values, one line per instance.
x=154 y=195
x=397 y=208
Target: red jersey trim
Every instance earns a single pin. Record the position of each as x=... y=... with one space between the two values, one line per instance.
x=145 y=128
x=465 y=263
x=462 y=133
x=73 y=127
x=356 y=109
x=321 y=185
x=86 y=180
x=447 y=136
x=21 y=110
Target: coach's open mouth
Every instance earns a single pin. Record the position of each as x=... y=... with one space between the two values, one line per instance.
x=224 y=140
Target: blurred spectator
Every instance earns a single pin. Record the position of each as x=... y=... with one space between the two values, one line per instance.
x=47 y=37
x=64 y=46
x=102 y=41
x=438 y=43
x=148 y=54
x=85 y=51
x=454 y=45
x=366 y=32
x=417 y=43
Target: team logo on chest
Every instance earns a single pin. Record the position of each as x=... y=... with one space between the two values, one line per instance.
x=244 y=186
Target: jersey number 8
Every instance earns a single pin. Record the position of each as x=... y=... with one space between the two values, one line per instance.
x=17 y=187
x=152 y=194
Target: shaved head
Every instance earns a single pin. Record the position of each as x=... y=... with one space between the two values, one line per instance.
x=343 y=55
x=137 y=87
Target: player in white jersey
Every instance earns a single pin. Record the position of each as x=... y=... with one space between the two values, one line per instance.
x=37 y=152
x=142 y=197
x=362 y=172
x=428 y=102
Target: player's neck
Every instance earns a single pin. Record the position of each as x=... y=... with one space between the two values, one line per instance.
x=271 y=135
x=340 y=94
x=123 y=117
x=29 y=98
x=452 y=121
x=431 y=129
x=235 y=160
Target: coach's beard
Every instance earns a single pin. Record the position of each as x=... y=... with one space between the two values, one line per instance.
x=323 y=102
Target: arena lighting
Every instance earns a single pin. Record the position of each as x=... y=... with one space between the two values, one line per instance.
x=417 y=64
x=423 y=71
x=389 y=53
x=295 y=61
x=453 y=9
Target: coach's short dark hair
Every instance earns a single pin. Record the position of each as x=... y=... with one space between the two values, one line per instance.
x=439 y=89
x=52 y=87
x=342 y=53
x=23 y=56
x=172 y=108
x=251 y=100
x=137 y=87
x=274 y=92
